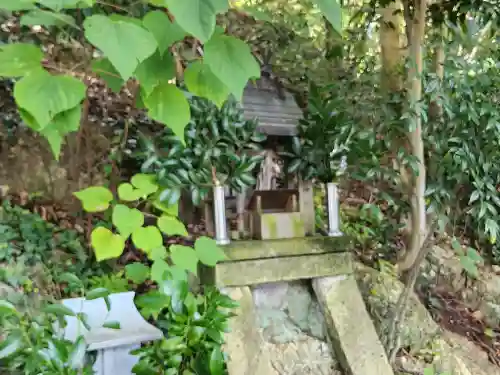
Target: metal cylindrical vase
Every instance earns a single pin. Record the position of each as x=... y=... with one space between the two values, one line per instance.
x=221 y=235
x=333 y=204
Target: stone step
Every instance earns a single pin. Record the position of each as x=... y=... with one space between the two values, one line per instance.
x=259 y=262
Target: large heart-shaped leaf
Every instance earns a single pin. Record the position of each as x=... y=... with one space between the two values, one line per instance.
x=19 y=59
x=154 y=70
x=125 y=44
x=165 y=31
x=127 y=220
x=202 y=82
x=168 y=105
x=197 y=17
x=147 y=238
x=171 y=226
x=44 y=96
x=184 y=257
x=232 y=62
x=95 y=198
x=106 y=244
x=208 y=252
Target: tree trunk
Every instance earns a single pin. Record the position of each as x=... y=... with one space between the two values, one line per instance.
x=391 y=44
x=418 y=211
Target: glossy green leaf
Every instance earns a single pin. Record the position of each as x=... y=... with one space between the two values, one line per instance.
x=168 y=105
x=19 y=59
x=147 y=238
x=232 y=62
x=184 y=257
x=107 y=72
x=44 y=96
x=152 y=302
x=95 y=198
x=216 y=362
x=97 y=293
x=58 y=309
x=125 y=44
x=47 y=18
x=332 y=11
x=172 y=343
x=197 y=17
x=106 y=244
x=208 y=252
x=112 y=324
x=137 y=272
x=155 y=70
x=126 y=220
x=120 y=17
x=171 y=226
x=202 y=82
x=165 y=31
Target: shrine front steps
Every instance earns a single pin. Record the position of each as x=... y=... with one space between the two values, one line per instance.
x=328 y=263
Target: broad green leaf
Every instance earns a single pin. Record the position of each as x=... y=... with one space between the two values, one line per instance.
x=126 y=220
x=178 y=274
x=66 y=4
x=171 y=226
x=7 y=308
x=97 y=293
x=19 y=59
x=16 y=5
x=332 y=11
x=47 y=18
x=155 y=70
x=119 y=17
x=469 y=266
x=125 y=44
x=172 y=343
x=145 y=183
x=208 y=252
x=106 y=244
x=128 y=193
x=165 y=31
x=71 y=279
x=78 y=354
x=112 y=324
x=147 y=238
x=197 y=17
x=137 y=272
x=63 y=124
x=10 y=344
x=172 y=210
x=158 y=253
x=44 y=96
x=153 y=301
x=107 y=72
x=232 y=62
x=474 y=255
x=184 y=257
x=202 y=82
x=216 y=362
x=159 y=271
x=168 y=105
x=95 y=198
x=58 y=309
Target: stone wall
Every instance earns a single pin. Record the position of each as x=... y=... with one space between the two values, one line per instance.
x=293 y=329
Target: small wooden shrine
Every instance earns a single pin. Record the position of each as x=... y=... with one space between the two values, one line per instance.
x=280 y=205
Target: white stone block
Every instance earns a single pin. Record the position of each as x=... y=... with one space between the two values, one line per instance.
x=113 y=345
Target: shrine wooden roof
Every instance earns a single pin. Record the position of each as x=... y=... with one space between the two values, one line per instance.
x=277 y=114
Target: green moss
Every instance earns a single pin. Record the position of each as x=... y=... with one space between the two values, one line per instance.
x=269 y=222
x=298 y=226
